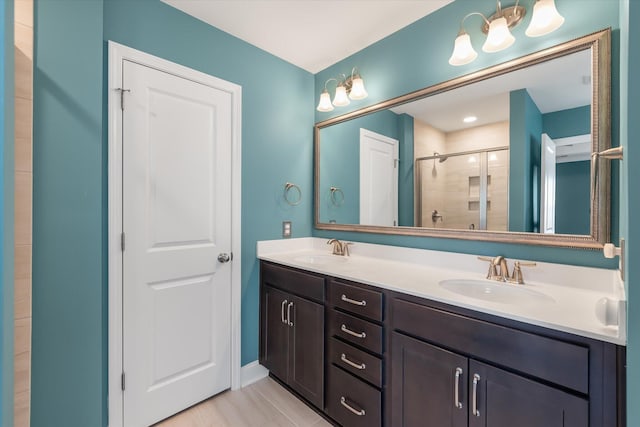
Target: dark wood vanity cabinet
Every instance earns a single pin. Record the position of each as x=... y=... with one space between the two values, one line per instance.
x=451 y=369
x=292 y=329
x=394 y=360
x=355 y=356
x=448 y=389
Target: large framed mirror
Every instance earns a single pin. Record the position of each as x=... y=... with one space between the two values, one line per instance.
x=503 y=154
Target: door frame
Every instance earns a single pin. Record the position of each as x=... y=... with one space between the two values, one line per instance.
x=118 y=53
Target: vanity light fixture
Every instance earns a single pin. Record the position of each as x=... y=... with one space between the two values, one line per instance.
x=545 y=20
x=351 y=87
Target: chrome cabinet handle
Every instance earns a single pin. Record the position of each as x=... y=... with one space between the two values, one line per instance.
x=344 y=358
x=343 y=328
x=282 y=319
x=289 y=314
x=476 y=380
x=352 y=301
x=344 y=403
x=456 y=391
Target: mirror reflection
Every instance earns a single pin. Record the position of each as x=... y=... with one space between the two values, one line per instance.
x=510 y=153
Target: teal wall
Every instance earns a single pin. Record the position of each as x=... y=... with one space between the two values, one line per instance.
x=525 y=128
x=69 y=352
x=406 y=180
x=69 y=381
x=340 y=165
x=6 y=213
x=565 y=123
x=417 y=56
x=630 y=196
x=573 y=196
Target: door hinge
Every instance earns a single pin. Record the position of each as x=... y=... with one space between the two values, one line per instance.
x=122 y=381
x=122 y=241
x=122 y=91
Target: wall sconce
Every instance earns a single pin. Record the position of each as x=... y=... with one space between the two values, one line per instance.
x=347 y=87
x=545 y=20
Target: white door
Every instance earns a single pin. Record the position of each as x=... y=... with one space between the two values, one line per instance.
x=378 y=179
x=176 y=220
x=548 y=186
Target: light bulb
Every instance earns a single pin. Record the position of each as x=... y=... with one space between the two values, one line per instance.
x=463 y=52
x=357 y=89
x=325 y=102
x=545 y=19
x=499 y=36
x=341 y=99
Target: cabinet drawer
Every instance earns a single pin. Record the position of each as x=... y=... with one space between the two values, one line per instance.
x=357 y=300
x=358 y=362
x=552 y=360
x=297 y=282
x=358 y=331
x=352 y=402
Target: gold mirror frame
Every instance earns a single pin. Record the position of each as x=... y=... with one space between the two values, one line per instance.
x=600 y=45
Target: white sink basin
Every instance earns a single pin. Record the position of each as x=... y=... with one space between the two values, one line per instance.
x=504 y=293
x=320 y=259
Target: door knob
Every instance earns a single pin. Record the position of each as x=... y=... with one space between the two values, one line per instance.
x=224 y=257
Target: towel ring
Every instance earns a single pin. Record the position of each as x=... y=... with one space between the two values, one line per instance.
x=337 y=196
x=287 y=194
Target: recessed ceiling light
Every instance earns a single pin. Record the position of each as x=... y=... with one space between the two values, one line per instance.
x=470 y=119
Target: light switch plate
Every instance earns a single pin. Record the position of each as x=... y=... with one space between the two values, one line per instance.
x=286 y=229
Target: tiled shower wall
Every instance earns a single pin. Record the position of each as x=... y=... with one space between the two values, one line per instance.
x=23 y=207
x=448 y=187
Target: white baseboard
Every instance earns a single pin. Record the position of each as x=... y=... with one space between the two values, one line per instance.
x=252 y=372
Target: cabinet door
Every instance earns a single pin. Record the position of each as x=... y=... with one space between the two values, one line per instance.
x=276 y=332
x=507 y=400
x=424 y=380
x=306 y=342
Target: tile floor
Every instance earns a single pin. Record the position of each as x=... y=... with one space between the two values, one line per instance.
x=262 y=404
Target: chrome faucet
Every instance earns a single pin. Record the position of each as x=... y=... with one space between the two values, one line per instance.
x=339 y=248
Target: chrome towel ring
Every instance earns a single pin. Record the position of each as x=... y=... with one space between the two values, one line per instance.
x=337 y=196
x=288 y=189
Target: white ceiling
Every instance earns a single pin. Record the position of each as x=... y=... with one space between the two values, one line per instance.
x=554 y=85
x=312 y=34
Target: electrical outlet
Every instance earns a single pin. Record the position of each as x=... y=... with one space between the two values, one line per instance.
x=286 y=229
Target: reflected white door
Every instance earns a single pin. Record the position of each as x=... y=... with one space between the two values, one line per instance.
x=548 y=186
x=177 y=220
x=378 y=179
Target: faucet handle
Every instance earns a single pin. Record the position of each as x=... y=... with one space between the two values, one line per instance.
x=345 y=247
x=516 y=276
x=493 y=271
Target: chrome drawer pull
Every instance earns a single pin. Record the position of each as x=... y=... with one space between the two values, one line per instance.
x=289 y=314
x=350 y=363
x=282 y=311
x=456 y=392
x=476 y=380
x=343 y=328
x=352 y=301
x=344 y=403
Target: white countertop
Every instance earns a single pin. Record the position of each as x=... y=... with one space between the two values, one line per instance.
x=585 y=301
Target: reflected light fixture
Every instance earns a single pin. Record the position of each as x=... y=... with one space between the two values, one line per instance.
x=497 y=27
x=469 y=119
x=351 y=87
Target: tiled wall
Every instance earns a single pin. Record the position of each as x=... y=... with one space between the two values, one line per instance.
x=450 y=187
x=23 y=206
